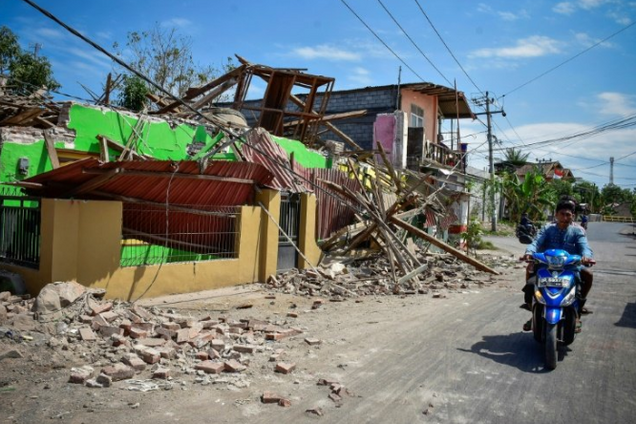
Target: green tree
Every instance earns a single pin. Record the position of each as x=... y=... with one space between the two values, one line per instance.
x=26 y=73
x=587 y=192
x=133 y=94
x=9 y=48
x=532 y=195
x=516 y=157
x=166 y=58
x=614 y=195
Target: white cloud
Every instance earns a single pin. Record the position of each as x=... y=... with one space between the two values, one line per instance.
x=176 y=23
x=484 y=8
x=587 y=41
x=612 y=103
x=326 y=52
x=360 y=77
x=91 y=55
x=591 y=4
x=564 y=8
x=508 y=16
x=534 y=46
x=105 y=35
x=48 y=33
x=579 y=155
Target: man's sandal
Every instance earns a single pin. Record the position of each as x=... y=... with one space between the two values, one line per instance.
x=585 y=311
x=527 y=326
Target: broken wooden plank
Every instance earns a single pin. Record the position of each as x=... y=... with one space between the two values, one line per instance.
x=23 y=118
x=120 y=148
x=457 y=253
x=50 y=148
x=329 y=125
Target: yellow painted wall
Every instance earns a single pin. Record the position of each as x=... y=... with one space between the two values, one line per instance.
x=307 y=234
x=269 y=232
x=81 y=241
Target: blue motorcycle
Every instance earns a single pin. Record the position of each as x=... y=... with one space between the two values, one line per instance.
x=555 y=307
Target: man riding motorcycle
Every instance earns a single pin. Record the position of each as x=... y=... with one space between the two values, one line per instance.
x=571 y=238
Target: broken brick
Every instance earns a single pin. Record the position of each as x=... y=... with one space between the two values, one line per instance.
x=87 y=334
x=119 y=371
x=285 y=368
x=134 y=362
x=80 y=375
x=161 y=373
x=234 y=366
x=210 y=367
x=244 y=348
x=270 y=397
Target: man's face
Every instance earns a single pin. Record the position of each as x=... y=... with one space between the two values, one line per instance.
x=564 y=218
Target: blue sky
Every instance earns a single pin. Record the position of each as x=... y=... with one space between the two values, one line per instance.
x=557 y=68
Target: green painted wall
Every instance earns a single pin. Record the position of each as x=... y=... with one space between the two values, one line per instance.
x=156 y=138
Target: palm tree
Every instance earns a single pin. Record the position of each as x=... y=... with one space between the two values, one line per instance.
x=516 y=157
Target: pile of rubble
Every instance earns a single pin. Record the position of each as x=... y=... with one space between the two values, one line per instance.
x=148 y=347
x=346 y=277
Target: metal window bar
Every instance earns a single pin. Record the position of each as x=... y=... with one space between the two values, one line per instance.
x=20 y=221
x=153 y=234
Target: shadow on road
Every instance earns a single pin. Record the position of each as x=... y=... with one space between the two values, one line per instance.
x=628 y=319
x=517 y=350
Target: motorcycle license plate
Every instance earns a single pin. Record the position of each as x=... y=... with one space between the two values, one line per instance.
x=552 y=282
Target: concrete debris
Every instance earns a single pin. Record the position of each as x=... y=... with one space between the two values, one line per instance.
x=349 y=277
x=124 y=341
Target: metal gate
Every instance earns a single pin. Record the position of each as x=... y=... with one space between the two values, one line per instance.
x=20 y=230
x=290 y=223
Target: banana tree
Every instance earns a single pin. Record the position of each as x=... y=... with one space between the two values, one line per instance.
x=532 y=195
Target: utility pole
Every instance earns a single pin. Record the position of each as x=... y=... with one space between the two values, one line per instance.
x=480 y=101
x=611 y=170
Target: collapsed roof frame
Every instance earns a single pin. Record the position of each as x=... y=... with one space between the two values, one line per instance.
x=280 y=112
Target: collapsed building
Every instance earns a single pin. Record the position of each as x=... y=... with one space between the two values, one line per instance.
x=194 y=195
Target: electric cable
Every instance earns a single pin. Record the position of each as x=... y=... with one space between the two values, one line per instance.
x=379 y=39
x=448 y=48
x=570 y=59
x=413 y=42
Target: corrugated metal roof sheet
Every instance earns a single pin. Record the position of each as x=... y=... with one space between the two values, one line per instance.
x=261 y=149
x=227 y=183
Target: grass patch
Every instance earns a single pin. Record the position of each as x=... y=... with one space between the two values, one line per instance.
x=486 y=245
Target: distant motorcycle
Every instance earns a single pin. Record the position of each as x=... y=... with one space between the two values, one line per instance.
x=526 y=233
x=555 y=307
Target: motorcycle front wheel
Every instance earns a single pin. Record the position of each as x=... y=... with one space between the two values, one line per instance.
x=550 y=345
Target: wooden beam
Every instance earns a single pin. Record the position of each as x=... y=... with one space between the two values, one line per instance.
x=458 y=254
x=212 y=94
x=119 y=147
x=93 y=183
x=131 y=172
x=50 y=148
x=334 y=117
x=329 y=125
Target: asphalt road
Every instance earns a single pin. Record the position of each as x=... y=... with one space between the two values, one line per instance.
x=466 y=360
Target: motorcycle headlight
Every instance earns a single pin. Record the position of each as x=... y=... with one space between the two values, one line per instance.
x=569 y=299
x=555 y=262
x=539 y=297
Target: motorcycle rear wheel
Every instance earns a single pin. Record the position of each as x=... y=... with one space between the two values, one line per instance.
x=550 y=346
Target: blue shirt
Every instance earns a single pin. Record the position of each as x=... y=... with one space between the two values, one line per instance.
x=572 y=240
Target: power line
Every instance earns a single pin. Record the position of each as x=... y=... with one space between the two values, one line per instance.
x=413 y=42
x=570 y=59
x=379 y=39
x=447 y=48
